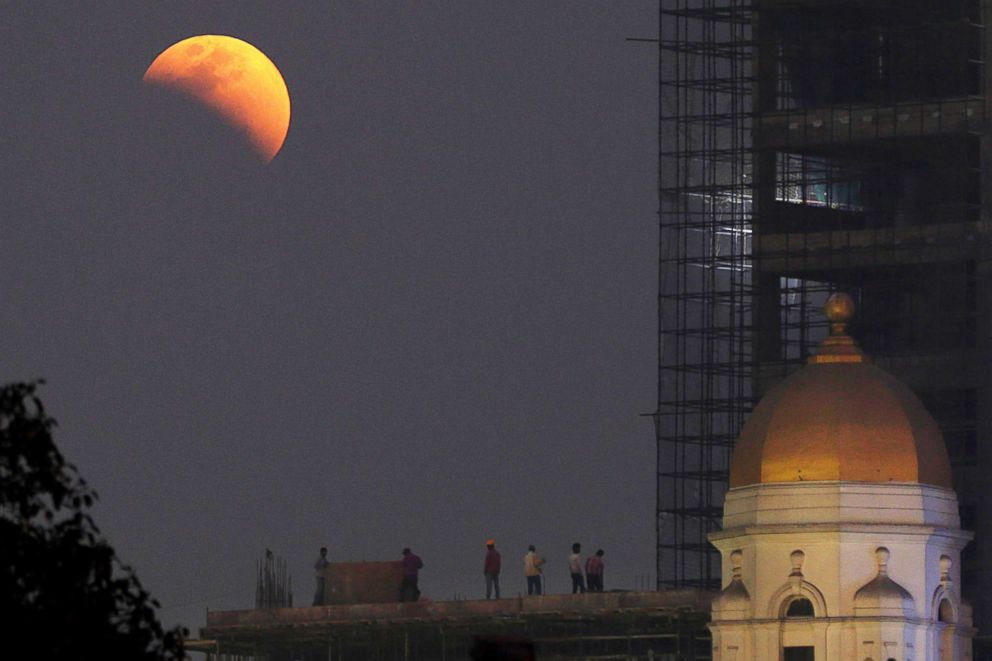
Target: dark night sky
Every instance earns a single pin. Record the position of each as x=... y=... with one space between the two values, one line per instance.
x=430 y=320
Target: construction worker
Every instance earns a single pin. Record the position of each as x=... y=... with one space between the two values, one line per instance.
x=594 y=571
x=575 y=569
x=320 y=567
x=533 y=564
x=409 y=590
x=491 y=568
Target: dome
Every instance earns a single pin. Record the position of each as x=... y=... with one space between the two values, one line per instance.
x=840 y=418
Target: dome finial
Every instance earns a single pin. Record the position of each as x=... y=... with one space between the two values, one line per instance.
x=839 y=310
x=839 y=347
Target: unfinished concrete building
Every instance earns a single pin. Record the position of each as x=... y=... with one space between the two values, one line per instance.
x=658 y=626
x=810 y=146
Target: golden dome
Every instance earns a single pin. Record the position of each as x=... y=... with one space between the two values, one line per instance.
x=840 y=418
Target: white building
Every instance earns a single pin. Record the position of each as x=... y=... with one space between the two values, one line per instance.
x=841 y=538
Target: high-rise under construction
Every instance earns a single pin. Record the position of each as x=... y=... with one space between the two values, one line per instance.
x=809 y=146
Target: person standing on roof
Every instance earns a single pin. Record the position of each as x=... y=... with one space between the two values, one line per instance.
x=411 y=571
x=320 y=568
x=575 y=568
x=491 y=568
x=594 y=571
x=533 y=564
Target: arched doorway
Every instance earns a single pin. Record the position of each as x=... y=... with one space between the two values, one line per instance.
x=797 y=632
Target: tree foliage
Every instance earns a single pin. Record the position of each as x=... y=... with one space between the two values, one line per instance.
x=64 y=594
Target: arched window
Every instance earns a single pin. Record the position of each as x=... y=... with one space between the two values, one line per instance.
x=800 y=607
x=945 y=612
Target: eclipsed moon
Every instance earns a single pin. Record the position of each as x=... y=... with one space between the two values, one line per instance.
x=233 y=79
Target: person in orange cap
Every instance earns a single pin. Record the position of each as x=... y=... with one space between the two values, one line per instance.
x=493 y=564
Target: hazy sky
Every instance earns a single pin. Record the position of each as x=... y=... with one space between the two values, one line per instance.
x=429 y=321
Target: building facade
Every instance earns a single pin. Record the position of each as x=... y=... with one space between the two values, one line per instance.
x=841 y=537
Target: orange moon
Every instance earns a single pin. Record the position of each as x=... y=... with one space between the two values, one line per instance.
x=233 y=79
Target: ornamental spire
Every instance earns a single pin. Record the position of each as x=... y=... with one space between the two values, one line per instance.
x=839 y=347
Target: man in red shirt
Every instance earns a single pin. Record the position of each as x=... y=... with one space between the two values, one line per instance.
x=594 y=572
x=491 y=568
x=409 y=591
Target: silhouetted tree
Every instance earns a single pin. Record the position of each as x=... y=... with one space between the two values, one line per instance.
x=63 y=592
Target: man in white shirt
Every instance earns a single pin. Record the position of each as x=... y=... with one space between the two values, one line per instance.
x=532 y=570
x=575 y=568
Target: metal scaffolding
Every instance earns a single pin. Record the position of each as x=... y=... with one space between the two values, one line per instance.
x=704 y=278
